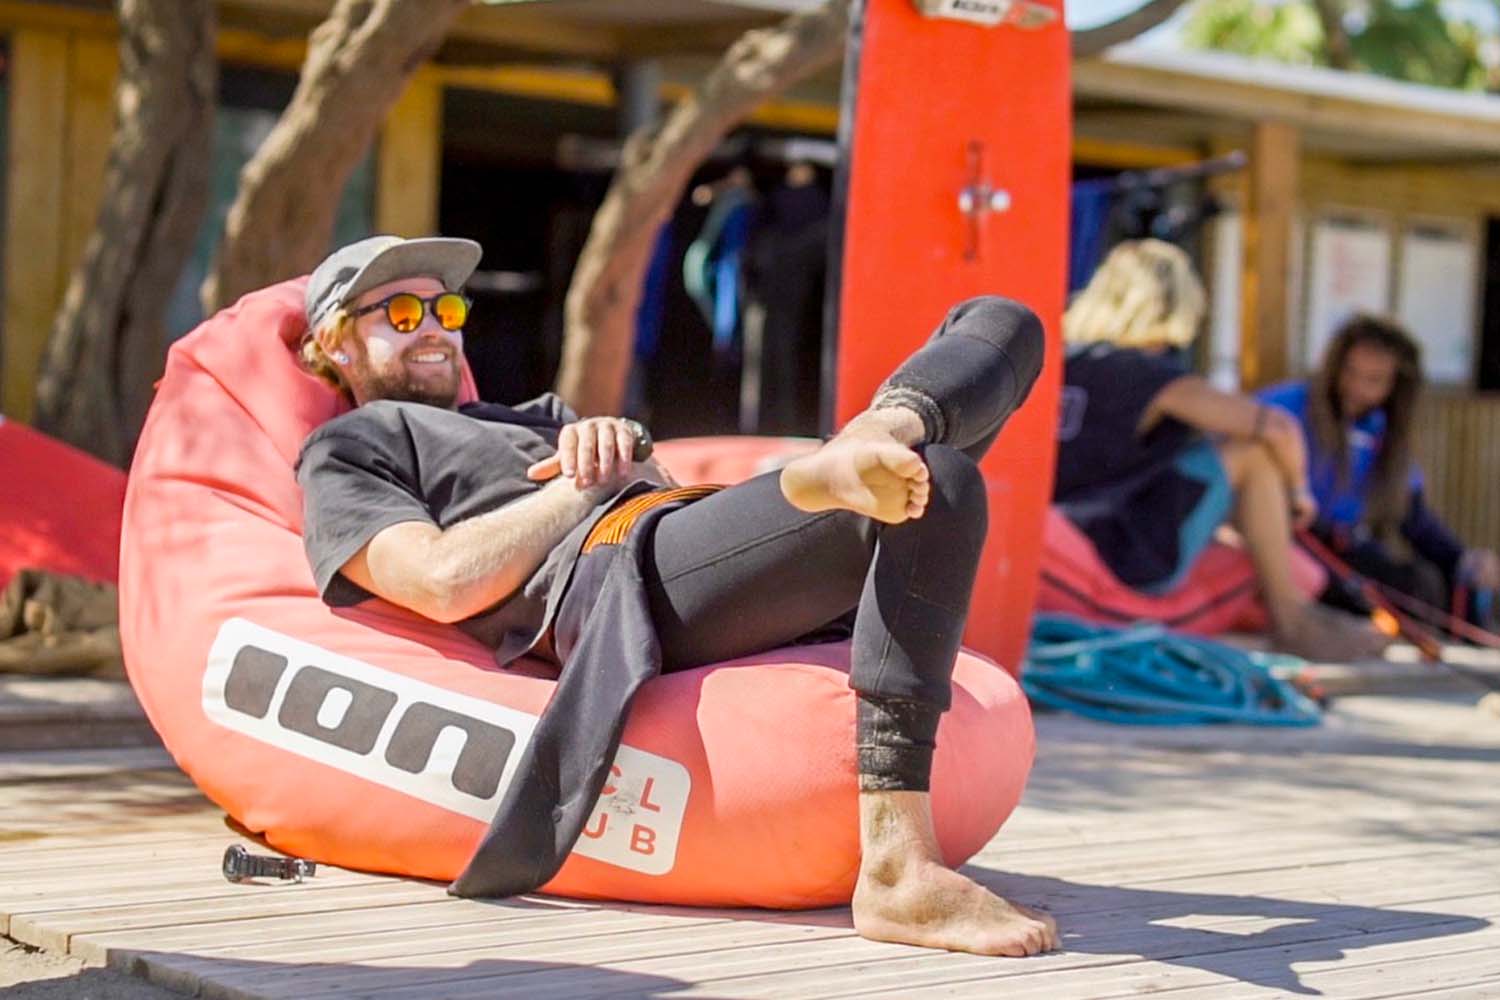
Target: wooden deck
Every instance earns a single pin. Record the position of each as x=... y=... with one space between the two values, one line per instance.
x=1361 y=859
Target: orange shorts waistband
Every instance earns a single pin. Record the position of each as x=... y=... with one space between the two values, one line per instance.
x=612 y=528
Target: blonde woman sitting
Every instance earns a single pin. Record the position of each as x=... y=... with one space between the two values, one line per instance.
x=1153 y=459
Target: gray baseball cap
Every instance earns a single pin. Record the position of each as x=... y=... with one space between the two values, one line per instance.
x=351 y=271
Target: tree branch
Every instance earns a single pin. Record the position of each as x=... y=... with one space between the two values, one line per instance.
x=1123 y=29
x=358 y=62
x=1336 y=42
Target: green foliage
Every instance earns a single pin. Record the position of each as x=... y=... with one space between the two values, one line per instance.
x=1414 y=42
x=1285 y=32
x=1410 y=40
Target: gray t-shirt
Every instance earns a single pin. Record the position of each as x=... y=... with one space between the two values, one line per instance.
x=388 y=462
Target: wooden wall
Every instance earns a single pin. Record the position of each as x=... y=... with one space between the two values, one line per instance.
x=1458 y=445
x=1457 y=191
x=58 y=133
x=1458 y=433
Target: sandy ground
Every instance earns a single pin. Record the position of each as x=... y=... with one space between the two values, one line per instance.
x=28 y=974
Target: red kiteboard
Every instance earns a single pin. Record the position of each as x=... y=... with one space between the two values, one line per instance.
x=953 y=183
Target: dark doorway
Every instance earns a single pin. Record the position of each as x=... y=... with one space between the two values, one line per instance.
x=1489 y=325
x=505 y=184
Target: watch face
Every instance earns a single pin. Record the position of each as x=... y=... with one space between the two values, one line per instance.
x=234 y=859
x=643 y=443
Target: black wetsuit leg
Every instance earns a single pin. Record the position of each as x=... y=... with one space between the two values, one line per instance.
x=743 y=571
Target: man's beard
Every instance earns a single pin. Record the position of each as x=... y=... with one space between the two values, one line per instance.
x=401 y=387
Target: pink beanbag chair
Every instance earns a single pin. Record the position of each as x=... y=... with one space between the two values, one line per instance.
x=1219 y=593
x=371 y=738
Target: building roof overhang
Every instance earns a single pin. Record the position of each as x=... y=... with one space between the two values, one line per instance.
x=1134 y=93
x=1351 y=114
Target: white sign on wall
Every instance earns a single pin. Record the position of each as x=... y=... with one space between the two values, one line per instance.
x=1436 y=300
x=1349 y=272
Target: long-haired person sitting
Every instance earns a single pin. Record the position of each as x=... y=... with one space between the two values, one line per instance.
x=1153 y=459
x=1356 y=414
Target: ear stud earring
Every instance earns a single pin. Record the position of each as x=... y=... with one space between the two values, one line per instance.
x=341 y=357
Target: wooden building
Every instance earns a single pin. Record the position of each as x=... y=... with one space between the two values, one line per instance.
x=1358 y=191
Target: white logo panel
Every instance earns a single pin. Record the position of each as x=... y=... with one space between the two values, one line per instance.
x=433 y=744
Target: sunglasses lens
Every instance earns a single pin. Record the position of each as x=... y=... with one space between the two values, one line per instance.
x=404 y=313
x=451 y=310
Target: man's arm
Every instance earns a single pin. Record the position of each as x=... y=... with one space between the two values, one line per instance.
x=449 y=575
x=1192 y=400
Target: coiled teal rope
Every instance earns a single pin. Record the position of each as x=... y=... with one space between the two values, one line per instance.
x=1146 y=675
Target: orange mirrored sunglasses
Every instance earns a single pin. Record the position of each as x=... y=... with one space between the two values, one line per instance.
x=404 y=310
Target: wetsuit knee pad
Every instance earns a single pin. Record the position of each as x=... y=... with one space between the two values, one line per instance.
x=973 y=373
x=1006 y=323
x=895 y=740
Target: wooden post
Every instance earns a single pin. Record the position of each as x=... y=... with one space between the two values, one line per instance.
x=35 y=241
x=61 y=125
x=409 y=164
x=1275 y=160
x=93 y=65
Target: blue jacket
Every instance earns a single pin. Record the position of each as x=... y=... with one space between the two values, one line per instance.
x=1342 y=510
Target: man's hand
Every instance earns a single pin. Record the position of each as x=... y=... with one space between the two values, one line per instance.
x=1481 y=567
x=1282 y=436
x=595 y=451
x=1304 y=508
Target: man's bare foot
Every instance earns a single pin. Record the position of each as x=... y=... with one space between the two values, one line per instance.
x=905 y=894
x=866 y=468
x=1327 y=636
x=923 y=902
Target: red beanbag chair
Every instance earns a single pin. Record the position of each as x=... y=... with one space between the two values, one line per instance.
x=59 y=507
x=372 y=738
x=1219 y=593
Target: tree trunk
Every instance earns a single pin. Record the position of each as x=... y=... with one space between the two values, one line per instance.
x=1148 y=15
x=107 y=342
x=358 y=62
x=1336 y=44
x=599 y=315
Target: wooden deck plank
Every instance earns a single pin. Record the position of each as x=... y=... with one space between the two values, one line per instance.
x=199 y=938
x=27 y=856
x=1137 y=883
x=1078 y=859
x=437 y=972
x=1467 y=992
x=75 y=873
x=1224 y=859
x=34 y=765
x=138 y=886
x=48 y=930
x=325 y=967
x=1477 y=969
x=690 y=964
x=1266 y=966
x=77 y=863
